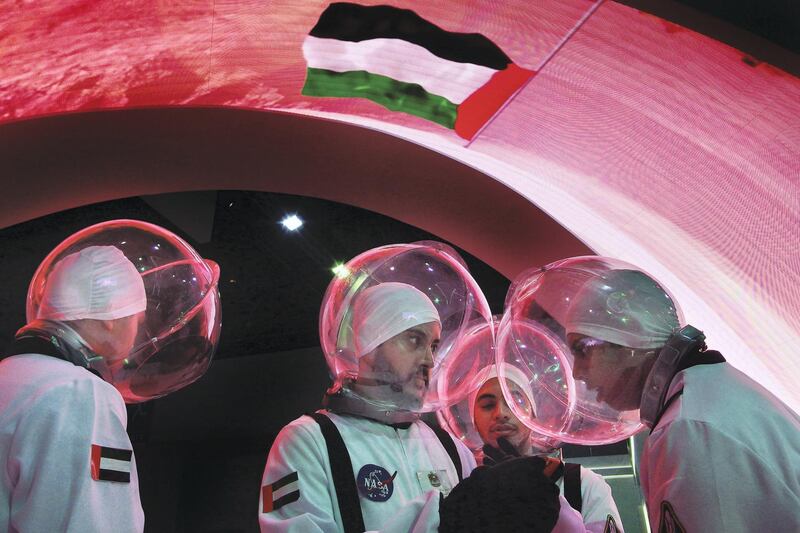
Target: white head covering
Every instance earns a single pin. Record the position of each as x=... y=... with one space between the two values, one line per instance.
x=624 y=307
x=387 y=309
x=98 y=282
x=510 y=372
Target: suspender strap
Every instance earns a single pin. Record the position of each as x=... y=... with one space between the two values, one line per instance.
x=342 y=471
x=450 y=448
x=572 y=485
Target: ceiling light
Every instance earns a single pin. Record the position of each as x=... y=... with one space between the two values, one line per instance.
x=340 y=270
x=292 y=222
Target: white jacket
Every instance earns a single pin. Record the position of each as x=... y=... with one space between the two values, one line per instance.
x=298 y=481
x=60 y=428
x=410 y=455
x=725 y=457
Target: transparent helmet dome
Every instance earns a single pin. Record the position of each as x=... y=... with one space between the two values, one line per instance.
x=380 y=314
x=605 y=322
x=472 y=382
x=141 y=304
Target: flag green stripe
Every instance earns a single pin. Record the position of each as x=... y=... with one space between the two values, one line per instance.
x=409 y=98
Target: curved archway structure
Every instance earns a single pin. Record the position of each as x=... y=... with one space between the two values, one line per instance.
x=80 y=159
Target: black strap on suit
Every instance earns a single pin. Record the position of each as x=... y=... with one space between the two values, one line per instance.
x=572 y=485
x=342 y=470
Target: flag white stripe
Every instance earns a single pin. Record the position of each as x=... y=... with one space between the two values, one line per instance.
x=114 y=464
x=283 y=491
x=399 y=60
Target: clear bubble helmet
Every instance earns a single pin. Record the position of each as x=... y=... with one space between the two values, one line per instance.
x=607 y=321
x=172 y=310
x=429 y=272
x=468 y=370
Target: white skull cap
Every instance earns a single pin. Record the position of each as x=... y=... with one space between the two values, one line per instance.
x=98 y=282
x=624 y=307
x=386 y=310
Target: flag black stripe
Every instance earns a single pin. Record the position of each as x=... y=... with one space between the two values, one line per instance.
x=115 y=453
x=114 y=475
x=352 y=22
x=285 y=480
x=283 y=500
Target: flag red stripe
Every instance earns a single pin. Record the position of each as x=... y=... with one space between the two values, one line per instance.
x=96 y=461
x=266 y=497
x=481 y=105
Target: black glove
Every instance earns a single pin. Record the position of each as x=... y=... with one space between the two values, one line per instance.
x=492 y=455
x=512 y=496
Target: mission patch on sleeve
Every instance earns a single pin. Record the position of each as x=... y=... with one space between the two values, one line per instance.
x=276 y=495
x=111 y=464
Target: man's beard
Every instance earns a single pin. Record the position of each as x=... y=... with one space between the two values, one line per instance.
x=401 y=390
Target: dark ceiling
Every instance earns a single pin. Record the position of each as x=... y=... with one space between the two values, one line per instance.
x=272 y=280
x=774 y=20
x=763 y=29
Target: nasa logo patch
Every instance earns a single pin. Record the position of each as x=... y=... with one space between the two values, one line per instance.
x=375 y=483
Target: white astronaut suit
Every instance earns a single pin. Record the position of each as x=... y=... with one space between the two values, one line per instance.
x=724 y=453
x=399 y=474
x=399 y=466
x=66 y=460
x=598 y=511
x=400 y=470
x=725 y=456
x=298 y=493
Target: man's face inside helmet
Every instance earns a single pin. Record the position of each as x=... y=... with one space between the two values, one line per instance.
x=398 y=371
x=494 y=418
x=616 y=373
x=111 y=339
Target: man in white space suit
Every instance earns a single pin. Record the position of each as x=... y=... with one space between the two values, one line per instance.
x=505 y=436
x=98 y=335
x=723 y=454
x=391 y=471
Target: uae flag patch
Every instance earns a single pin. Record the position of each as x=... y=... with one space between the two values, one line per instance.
x=111 y=464
x=405 y=63
x=276 y=495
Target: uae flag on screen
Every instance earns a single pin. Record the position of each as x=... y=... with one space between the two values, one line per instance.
x=401 y=61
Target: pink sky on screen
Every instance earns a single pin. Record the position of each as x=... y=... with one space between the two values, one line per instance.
x=649 y=142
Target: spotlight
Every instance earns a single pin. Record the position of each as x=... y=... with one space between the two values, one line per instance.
x=292 y=222
x=340 y=270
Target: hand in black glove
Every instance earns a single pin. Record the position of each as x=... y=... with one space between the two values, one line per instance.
x=512 y=496
x=493 y=456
